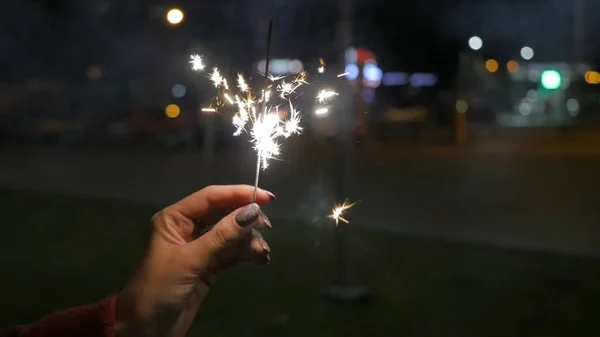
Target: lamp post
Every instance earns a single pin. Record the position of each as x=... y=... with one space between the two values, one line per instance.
x=345 y=286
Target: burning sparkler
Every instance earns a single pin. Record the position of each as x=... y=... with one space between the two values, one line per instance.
x=259 y=117
x=338 y=211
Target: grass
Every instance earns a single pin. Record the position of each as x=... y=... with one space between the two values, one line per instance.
x=59 y=251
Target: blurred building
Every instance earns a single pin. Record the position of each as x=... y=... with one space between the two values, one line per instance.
x=526 y=94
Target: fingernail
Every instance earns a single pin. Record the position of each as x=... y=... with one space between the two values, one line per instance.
x=264 y=245
x=271 y=195
x=248 y=215
x=268 y=258
x=265 y=220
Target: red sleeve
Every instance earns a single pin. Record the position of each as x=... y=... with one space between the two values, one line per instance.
x=93 y=320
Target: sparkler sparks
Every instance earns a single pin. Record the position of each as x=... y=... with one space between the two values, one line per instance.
x=216 y=77
x=196 y=62
x=268 y=117
x=324 y=95
x=321 y=111
x=338 y=211
x=321 y=69
x=242 y=83
x=263 y=123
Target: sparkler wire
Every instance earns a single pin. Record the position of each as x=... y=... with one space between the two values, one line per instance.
x=264 y=106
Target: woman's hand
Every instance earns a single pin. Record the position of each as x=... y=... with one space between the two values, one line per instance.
x=186 y=254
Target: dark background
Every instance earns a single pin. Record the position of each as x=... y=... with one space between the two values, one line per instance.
x=494 y=235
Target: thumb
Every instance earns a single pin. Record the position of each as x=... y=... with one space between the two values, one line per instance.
x=230 y=229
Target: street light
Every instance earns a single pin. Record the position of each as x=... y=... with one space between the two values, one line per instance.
x=491 y=65
x=175 y=16
x=527 y=53
x=475 y=43
x=551 y=79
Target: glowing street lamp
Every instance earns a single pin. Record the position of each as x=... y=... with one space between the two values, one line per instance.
x=551 y=79
x=475 y=43
x=175 y=16
x=527 y=53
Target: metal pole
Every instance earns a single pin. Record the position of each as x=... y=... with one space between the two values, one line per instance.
x=208 y=145
x=578 y=46
x=459 y=120
x=345 y=286
x=579 y=31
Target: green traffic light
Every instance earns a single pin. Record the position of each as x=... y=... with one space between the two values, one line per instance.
x=551 y=79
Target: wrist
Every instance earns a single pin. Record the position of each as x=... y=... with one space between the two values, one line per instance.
x=123 y=316
x=208 y=279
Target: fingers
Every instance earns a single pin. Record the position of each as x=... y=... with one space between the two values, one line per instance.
x=231 y=229
x=259 y=248
x=253 y=247
x=218 y=198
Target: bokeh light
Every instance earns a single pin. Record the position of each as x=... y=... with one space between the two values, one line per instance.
x=527 y=53
x=393 y=79
x=512 y=66
x=532 y=94
x=475 y=43
x=573 y=106
x=491 y=65
x=178 y=90
x=295 y=67
x=351 y=55
x=462 y=106
x=534 y=75
x=372 y=73
x=525 y=107
x=175 y=16
x=422 y=80
x=551 y=79
x=592 y=77
x=368 y=95
x=172 y=111
x=353 y=71
x=94 y=73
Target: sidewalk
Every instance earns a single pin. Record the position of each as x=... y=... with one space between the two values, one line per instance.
x=499 y=141
x=535 y=202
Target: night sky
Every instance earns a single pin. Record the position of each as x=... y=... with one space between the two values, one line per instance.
x=62 y=38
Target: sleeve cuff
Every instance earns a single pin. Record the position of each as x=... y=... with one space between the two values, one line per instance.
x=93 y=320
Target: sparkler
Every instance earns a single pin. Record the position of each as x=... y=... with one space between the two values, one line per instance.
x=338 y=211
x=260 y=117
